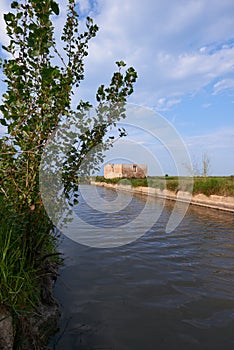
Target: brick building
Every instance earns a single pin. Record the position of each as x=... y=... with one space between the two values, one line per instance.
x=137 y=171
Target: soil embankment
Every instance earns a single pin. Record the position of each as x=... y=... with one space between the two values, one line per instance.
x=212 y=201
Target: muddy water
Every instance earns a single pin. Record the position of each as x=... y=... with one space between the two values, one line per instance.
x=162 y=291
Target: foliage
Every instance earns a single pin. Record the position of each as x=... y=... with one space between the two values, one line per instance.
x=39 y=95
x=209 y=186
x=38 y=98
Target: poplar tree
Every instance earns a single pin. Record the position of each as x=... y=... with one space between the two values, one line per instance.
x=39 y=95
x=41 y=82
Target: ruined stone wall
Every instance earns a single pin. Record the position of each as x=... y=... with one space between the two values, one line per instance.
x=137 y=171
x=112 y=171
x=125 y=170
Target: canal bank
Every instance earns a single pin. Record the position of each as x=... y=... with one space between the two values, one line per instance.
x=212 y=201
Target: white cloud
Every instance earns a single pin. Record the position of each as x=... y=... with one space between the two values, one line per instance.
x=218 y=146
x=188 y=72
x=178 y=48
x=164 y=104
x=225 y=84
x=203 y=49
x=84 y=6
x=3 y=129
x=172 y=44
x=206 y=105
x=220 y=139
x=5 y=8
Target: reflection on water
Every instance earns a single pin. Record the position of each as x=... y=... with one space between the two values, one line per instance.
x=163 y=291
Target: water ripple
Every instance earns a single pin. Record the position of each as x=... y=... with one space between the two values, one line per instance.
x=163 y=291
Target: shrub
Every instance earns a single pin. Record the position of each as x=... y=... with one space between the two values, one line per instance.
x=209 y=186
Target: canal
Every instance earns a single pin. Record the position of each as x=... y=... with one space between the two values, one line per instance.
x=162 y=291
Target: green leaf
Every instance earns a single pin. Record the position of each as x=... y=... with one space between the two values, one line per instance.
x=120 y=63
x=55 y=7
x=18 y=30
x=14 y=5
x=5 y=48
x=9 y=17
x=3 y=122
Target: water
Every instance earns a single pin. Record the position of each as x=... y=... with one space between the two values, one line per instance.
x=163 y=291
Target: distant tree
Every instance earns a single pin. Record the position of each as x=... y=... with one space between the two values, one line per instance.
x=199 y=168
x=193 y=167
x=205 y=164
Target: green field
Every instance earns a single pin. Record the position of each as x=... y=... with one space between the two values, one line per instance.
x=218 y=185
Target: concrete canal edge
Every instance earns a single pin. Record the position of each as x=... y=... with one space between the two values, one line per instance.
x=212 y=201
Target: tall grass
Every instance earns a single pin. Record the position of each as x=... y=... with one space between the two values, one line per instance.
x=18 y=279
x=27 y=250
x=214 y=185
x=222 y=186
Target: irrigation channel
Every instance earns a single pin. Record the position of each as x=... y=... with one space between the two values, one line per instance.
x=162 y=291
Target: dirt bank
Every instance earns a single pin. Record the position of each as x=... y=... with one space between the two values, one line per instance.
x=212 y=201
x=33 y=329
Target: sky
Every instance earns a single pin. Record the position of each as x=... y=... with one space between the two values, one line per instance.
x=183 y=51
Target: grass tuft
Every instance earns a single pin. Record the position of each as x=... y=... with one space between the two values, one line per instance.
x=18 y=279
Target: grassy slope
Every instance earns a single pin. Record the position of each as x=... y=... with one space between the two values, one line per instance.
x=218 y=185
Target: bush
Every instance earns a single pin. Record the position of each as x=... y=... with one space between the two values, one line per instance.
x=172 y=185
x=209 y=186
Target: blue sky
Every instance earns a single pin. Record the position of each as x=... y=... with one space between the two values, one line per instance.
x=183 y=51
